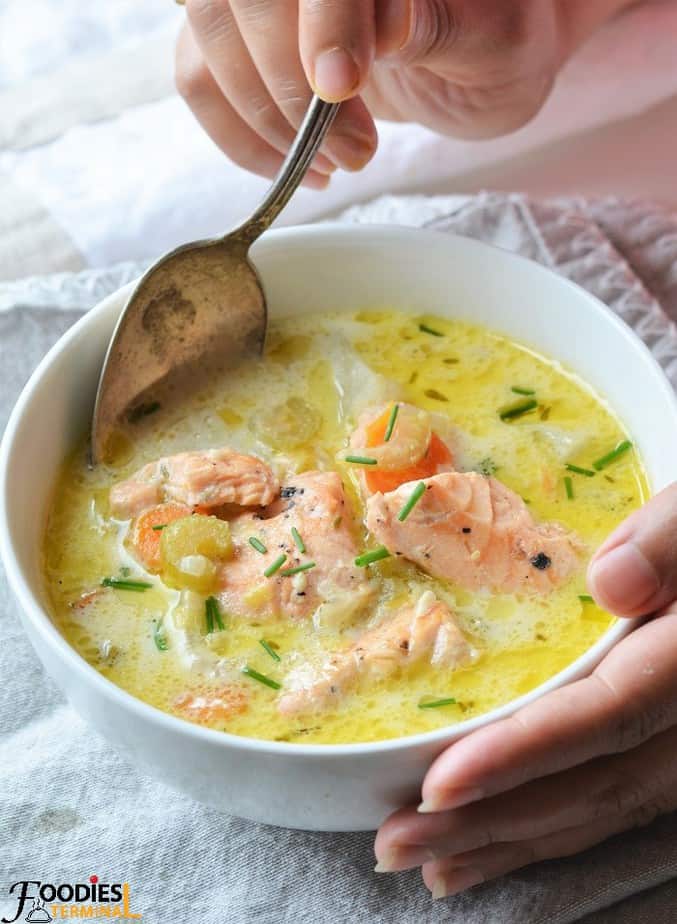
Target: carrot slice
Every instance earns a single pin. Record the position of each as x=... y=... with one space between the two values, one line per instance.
x=207 y=706
x=437 y=454
x=145 y=539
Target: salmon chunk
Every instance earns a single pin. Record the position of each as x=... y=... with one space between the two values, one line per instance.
x=475 y=531
x=206 y=478
x=418 y=446
x=426 y=629
x=314 y=504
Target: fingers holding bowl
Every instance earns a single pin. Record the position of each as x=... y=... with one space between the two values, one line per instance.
x=634 y=573
x=629 y=698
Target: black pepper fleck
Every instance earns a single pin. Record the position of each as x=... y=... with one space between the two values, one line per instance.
x=541 y=561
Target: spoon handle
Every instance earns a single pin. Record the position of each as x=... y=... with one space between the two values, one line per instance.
x=315 y=125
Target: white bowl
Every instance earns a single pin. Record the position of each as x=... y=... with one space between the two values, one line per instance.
x=327 y=267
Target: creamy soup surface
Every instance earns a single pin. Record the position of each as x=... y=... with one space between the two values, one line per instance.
x=511 y=468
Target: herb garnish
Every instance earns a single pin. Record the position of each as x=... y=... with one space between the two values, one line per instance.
x=268 y=681
x=119 y=584
x=391 y=423
x=569 y=487
x=361 y=460
x=517 y=410
x=430 y=330
x=518 y=390
x=298 y=541
x=435 y=395
x=612 y=456
x=268 y=648
x=586 y=598
x=436 y=703
x=288 y=572
x=414 y=498
x=213 y=614
x=368 y=558
x=257 y=544
x=159 y=527
x=579 y=471
x=275 y=566
x=159 y=636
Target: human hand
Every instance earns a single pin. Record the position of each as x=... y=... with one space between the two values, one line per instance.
x=469 y=68
x=585 y=762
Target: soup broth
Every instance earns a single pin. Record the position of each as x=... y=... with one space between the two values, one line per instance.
x=514 y=417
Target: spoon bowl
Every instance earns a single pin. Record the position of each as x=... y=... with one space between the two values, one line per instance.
x=200 y=309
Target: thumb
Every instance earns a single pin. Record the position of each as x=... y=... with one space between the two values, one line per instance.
x=634 y=573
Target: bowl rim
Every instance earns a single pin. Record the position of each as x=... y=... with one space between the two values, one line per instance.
x=55 y=642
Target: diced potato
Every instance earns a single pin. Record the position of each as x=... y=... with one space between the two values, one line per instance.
x=189 y=550
x=288 y=425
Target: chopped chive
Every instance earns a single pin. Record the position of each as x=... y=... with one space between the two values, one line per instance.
x=569 y=487
x=436 y=703
x=518 y=390
x=612 y=456
x=516 y=410
x=391 y=423
x=585 y=598
x=268 y=681
x=414 y=498
x=298 y=541
x=159 y=527
x=268 y=648
x=213 y=614
x=288 y=572
x=257 y=544
x=125 y=571
x=361 y=460
x=579 y=471
x=159 y=637
x=368 y=558
x=435 y=395
x=275 y=566
x=125 y=585
x=430 y=330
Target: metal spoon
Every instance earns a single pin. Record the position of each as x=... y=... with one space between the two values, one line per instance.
x=198 y=308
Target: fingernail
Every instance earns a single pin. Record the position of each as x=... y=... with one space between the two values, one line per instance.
x=450 y=799
x=336 y=75
x=455 y=882
x=623 y=578
x=407 y=857
x=386 y=863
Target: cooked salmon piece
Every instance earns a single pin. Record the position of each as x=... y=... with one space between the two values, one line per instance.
x=315 y=505
x=206 y=478
x=206 y=706
x=475 y=531
x=414 y=450
x=426 y=629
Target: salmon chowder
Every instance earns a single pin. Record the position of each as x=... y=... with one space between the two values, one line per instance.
x=380 y=528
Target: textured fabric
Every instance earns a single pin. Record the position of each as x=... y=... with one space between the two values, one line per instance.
x=92 y=130
x=71 y=807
